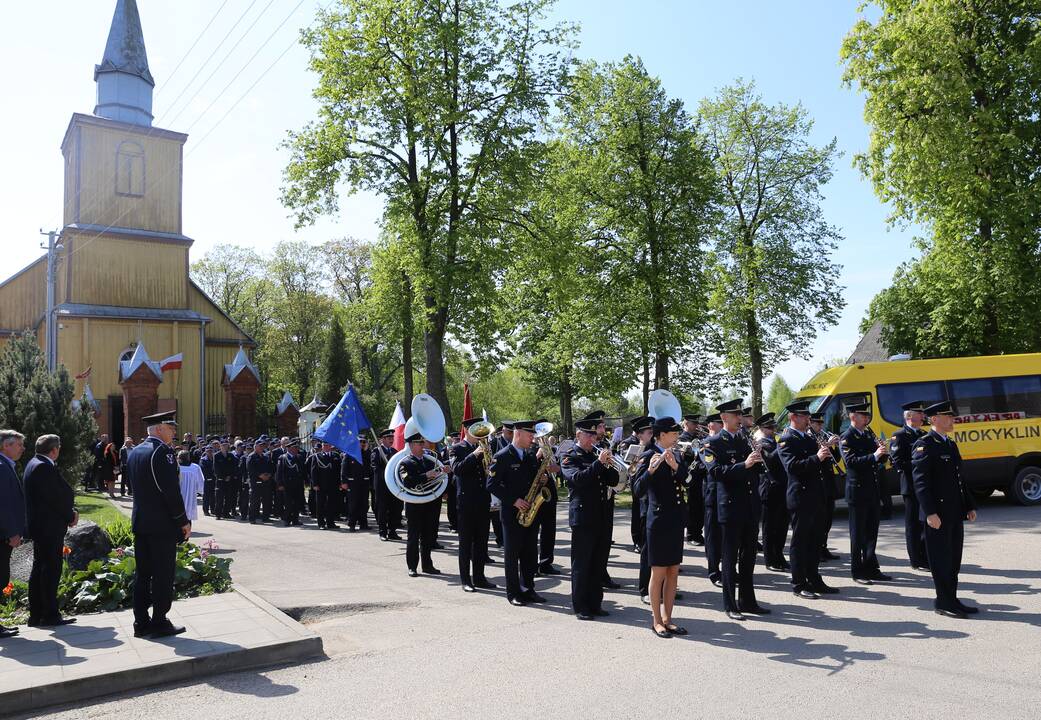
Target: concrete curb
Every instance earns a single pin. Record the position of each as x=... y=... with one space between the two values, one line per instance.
x=306 y=646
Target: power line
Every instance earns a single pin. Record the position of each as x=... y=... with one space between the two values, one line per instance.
x=197 y=39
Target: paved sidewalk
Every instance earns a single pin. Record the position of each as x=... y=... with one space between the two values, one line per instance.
x=100 y=655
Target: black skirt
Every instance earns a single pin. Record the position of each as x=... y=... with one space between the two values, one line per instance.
x=664 y=540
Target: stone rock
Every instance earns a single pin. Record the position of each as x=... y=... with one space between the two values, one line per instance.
x=87 y=542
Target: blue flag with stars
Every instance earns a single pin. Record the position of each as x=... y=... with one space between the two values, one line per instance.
x=344 y=425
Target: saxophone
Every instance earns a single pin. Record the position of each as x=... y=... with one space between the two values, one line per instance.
x=538 y=493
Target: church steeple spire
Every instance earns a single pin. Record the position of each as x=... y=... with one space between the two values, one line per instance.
x=124 y=81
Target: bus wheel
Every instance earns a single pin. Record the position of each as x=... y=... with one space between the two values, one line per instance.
x=982 y=493
x=1026 y=488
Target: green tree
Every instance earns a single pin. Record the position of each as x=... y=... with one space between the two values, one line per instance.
x=772 y=283
x=951 y=90
x=36 y=402
x=434 y=106
x=335 y=371
x=649 y=184
x=779 y=395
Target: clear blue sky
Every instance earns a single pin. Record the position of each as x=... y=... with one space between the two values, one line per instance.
x=232 y=178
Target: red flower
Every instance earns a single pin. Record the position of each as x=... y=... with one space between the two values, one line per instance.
x=8 y=590
x=66 y=551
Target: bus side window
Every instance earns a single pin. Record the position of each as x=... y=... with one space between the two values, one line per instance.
x=977 y=396
x=1023 y=394
x=892 y=398
x=836 y=417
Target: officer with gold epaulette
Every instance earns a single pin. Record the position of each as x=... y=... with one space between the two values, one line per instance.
x=863 y=456
x=900 y=446
x=945 y=503
x=589 y=475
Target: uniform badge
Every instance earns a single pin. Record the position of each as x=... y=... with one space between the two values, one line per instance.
x=169 y=459
x=709 y=457
x=782 y=443
x=920 y=448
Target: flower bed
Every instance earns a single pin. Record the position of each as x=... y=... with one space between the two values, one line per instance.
x=108 y=584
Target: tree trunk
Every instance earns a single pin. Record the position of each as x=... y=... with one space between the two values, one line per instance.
x=433 y=346
x=566 y=393
x=407 y=331
x=755 y=360
x=990 y=342
x=646 y=380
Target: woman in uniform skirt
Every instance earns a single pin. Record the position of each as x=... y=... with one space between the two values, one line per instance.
x=661 y=476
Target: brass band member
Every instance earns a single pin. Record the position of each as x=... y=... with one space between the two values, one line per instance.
x=472 y=501
x=772 y=488
x=863 y=456
x=900 y=450
x=589 y=474
x=661 y=476
x=415 y=469
x=514 y=469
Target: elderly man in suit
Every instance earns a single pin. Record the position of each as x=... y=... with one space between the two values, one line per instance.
x=12 y=507
x=49 y=502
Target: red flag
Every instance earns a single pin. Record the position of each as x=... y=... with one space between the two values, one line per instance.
x=85 y=374
x=468 y=407
x=171 y=363
x=397 y=424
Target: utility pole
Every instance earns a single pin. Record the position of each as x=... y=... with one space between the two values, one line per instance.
x=53 y=248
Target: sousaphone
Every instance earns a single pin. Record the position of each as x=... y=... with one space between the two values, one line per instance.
x=427 y=420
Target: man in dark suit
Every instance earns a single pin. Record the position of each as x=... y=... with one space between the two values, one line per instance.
x=388 y=515
x=773 y=485
x=12 y=507
x=49 y=506
x=713 y=533
x=803 y=459
x=415 y=470
x=159 y=524
x=589 y=473
x=945 y=504
x=900 y=446
x=289 y=481
x=734 y=468
x=472 y=501
x=863 y=457
x=512 y=473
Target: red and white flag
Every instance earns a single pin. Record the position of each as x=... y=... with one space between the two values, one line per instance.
x=173 y=362
x=397 y=424
x=468 y=407
x=85 y=374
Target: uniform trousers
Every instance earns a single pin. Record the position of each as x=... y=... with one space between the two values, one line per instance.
x=450 y=503
x=644 y=580
x=221 y=503
x=291 y=494
x=546 y=526
x=326 y=503
x=608 y=532
x=520 y=553
x=209 y=495
x=695 y=509
x=155 y=556
x=358 y=504
x=863 y=537
x=805 y=555
x=739 y=550
x=497 y=528
x=713 y=539
x=44 y=577
x=242 y=491
x=589 y=552
x=472 y=524
x=420 y=517
x=944 y=548
x=827 y=518
x=634 y=524
x=914 y=532
x=775 y=531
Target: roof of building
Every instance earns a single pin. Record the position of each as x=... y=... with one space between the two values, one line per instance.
x=128 y=313
x=871 y=348
x=285 y=403
x=125 y=48
x=140 y=357
x=240 y=363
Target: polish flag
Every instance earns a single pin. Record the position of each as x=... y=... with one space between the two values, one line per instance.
x=171 y=363
x=397 y=424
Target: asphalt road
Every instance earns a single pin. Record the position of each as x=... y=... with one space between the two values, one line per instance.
x=421 y=648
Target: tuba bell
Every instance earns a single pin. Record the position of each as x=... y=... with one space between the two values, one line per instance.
x=662 y=404
x=427 y=420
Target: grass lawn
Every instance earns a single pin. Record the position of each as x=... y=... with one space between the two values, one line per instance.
x=96 y=507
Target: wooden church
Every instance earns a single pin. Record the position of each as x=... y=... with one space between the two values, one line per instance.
x=123 y=296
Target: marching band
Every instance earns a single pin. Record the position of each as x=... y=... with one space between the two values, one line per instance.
x=725 y=481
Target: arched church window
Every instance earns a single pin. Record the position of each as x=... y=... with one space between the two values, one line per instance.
x=130 y=169
x=127 y=354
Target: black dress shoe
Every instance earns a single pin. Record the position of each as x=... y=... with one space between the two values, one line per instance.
x=645 y=599
x=55 y=622
x=610 y=585
x=431 y=571
x=490 y=561
x=880 y=576
x=828 y=555
x=735 y=615
x=951 y=613
x=412 y=572
x=699 y=539
x=584 y=616
x=601 y=613
x=775 y=568
x=383 y=538
x=678 y=596
x=677 y=629
x=550 y=570
x=437 y=546
x=485 y=585
x=141 y=631
x=967 y=609
x=825 y=589
x=517 y=602
x=786 y=566
x=718 y=582
x=806 y=594
x=6 y=632
x=923 y=568
x=754 y=610
x=661 y=633
x=862 y=581
x=467 y=587
x=533 y=597
x=165 y=629
x=393 y=536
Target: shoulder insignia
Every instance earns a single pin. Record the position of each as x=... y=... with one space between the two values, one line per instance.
x=782 y=443
x=709 y=457
x=169 y=459
x=919 y=448
x=566 y=460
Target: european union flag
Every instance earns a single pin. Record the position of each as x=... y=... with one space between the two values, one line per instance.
x=344 y=425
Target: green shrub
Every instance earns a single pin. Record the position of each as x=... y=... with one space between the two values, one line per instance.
x=119 y=532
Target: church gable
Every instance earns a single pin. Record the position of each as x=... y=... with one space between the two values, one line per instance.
x=221 y=329
x=23 y=298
